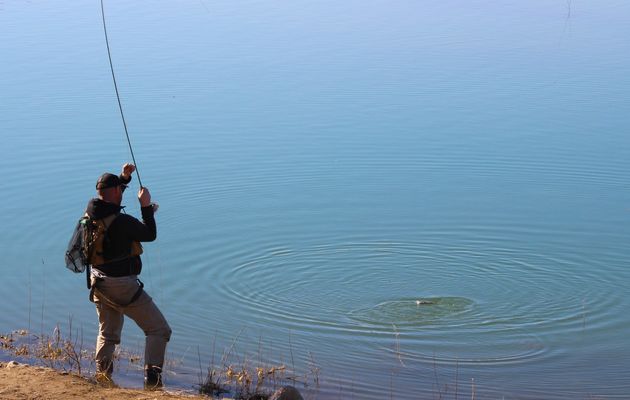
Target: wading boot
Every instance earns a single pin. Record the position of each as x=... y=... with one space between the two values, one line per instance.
x=104 y=375
x=104 y=379
x=152 y=377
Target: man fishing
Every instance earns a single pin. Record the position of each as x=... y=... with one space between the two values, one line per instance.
x=116 y=264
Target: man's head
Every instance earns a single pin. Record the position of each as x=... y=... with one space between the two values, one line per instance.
x=110 y=188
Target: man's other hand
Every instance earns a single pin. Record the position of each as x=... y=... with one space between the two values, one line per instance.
x=144 y=196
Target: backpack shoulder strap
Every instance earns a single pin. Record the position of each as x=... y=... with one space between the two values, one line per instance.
x=107 y=221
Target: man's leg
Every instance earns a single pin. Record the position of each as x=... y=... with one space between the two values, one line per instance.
x=150 y=319
x=110 y=323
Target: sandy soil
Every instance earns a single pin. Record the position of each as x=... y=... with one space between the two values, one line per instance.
x=20 y=381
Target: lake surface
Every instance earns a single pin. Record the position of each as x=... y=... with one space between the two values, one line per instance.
x=421 y=199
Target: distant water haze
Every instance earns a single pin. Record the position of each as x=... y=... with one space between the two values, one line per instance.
x=416 y=198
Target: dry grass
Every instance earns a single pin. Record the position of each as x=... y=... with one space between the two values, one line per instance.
x=55 y=351
x=242 y=377
x=245 y=379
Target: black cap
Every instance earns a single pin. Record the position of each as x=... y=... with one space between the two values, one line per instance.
x=108 y=180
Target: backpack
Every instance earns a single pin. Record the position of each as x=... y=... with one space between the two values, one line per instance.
x=75 y=256
x=86 y=244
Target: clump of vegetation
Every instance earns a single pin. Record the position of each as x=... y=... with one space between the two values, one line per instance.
x=53 y=351
x=245 y=380
x=7 y=342
x=13 y=343
x=61 y=353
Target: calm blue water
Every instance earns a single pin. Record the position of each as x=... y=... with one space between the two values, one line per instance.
x=323 y=166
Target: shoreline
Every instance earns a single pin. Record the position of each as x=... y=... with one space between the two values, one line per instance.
x=24 y=381
x=55 y=367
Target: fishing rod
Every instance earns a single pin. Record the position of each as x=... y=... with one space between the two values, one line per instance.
x=122 y=115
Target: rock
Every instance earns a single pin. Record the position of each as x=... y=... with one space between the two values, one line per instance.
x=15 y=364
x=286 y=393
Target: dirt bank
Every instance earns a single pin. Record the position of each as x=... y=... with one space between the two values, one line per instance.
x=20 y=381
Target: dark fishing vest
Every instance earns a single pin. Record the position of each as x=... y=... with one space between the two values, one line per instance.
x=96 y=240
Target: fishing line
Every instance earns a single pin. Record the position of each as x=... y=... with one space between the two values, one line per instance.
x=122 y=115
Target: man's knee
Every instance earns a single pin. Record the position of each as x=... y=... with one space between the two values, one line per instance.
x=109 y=337
x=168 y=333
x=165 y=332
x=162 y=330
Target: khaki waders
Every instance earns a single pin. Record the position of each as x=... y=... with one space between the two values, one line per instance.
x=116 y=297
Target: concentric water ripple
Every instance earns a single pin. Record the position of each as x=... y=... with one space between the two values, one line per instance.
x=456 y=307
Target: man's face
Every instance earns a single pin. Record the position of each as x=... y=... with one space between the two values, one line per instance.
x=119 y=192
